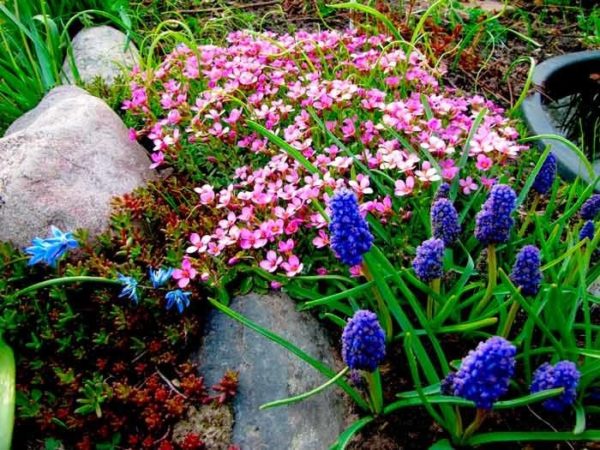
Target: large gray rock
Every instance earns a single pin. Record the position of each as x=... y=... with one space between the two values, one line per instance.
x=269 y=372
x=61 y=164
x=101 y=52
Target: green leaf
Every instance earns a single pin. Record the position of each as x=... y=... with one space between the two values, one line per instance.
x=532 y=436
x=444 y=444
x=7 y=394
x=344 y=439
x=305 y=395
x=372 y=12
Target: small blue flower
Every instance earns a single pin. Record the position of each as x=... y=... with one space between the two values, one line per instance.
x=178 y=298
x=587 y=231
x=563 y=374
x=160 y=276
x=130 y=288
x=494 y=221
x=485 y=373
x=350 y=235
x=429 y=262
x=590 y=209
x=444 y=221
x=51 y=249
x=545 y=177
x=526 y=272
x=363 y=342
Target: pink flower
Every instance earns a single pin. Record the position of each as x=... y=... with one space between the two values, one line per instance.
x=286 y=246
x=132 y=134
x=292 y=266
x=428 y=173
x=483 y=162
x=403 y=188
x=271 y=262
x=157 y=159
x=276 y=285
x=207 y=195
x=322 y=271
x=361 y=185
x=467 y=185
x=322 y=240
x=198 y=244
x=449 y=170
x=185 y=274
x=487 y=182
x=356 y=271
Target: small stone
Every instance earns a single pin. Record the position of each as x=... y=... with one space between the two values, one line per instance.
x=103 y=52
x=62 y=163
x=269 y=372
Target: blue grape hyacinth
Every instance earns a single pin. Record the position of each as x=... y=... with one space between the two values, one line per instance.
x=130 y=288
x=179 y=299
x=563 y=374
x=545 y=177
x=485 y=373
x=51 y=249
x=587 y=231
x=526 y=273
x=429 y=262
x=363 y=342
x=494 y=221
x=590 y=209
x=160 y=276
x=444 y=221
x=442 y=192
x=350 y=235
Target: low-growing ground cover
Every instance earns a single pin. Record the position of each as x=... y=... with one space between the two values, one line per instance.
x=339 y=167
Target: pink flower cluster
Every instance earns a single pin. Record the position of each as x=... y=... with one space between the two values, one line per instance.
x=378 y=108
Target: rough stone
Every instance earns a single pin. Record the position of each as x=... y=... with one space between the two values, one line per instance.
x=62 y=163
x=102 y=52
x=269 y=372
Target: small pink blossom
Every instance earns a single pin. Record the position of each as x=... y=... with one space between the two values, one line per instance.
x=467 y=185
x=185 y=273
x=292 y=266
x=487 y=182
x=271 y=261
x=207 y=194
x=286 y=246
x=403 y=188
x=483 y=162
x=356 y=271
x=322 y=240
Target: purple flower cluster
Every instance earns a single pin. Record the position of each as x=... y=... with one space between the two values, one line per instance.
x=563 y=374
x=494 y=221
x=444 y=221
x=50 y=250
x=429 y=262
x=587 y=231
x=484 y=373
x=350 y=235
x=590 y=209
x=442 y=192
x=526 y=272
x=363 y=342
x=545 y=177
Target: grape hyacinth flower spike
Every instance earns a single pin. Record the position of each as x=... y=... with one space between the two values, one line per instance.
x=493 y=225
x=429 y=267
x=526 y=273
x=51 y=249
x=590 y=209
x=587 y=231
x=350 y=235
x=444 y=221
x=363 y=348
x=563 y=374
x=545 y=177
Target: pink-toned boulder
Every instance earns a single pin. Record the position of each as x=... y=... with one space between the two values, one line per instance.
x=62 y=163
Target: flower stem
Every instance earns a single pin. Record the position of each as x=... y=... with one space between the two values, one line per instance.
x=527 y=220
x=512 y=313
x=375 y=390
x=432 y=305
x=383 y=312
x=492 y=275
x=477 y=422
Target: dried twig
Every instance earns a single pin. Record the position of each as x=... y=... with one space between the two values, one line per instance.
x=173 y=388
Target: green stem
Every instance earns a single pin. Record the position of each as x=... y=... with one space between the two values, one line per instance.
x=375 y=390
x=492 y=274
x=512 y=313
x=383 y=312
x=527 y=220
x=7 y=394
x=432 y=305
x=66 y=280
x=477 y=422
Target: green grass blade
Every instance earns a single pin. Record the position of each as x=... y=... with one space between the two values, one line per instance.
x=7 y=394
